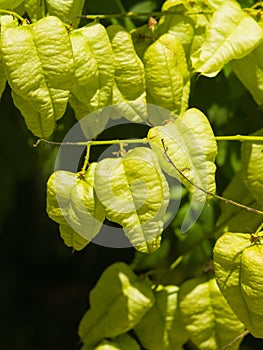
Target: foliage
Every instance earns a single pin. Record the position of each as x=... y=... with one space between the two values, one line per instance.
x=155 y=303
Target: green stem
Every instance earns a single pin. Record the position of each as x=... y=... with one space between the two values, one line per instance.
x=241 y=138
x=142 y=14
x=14 y=14
x=86 y=161
x=259 y=228
x=257 y=4
x=128 y=22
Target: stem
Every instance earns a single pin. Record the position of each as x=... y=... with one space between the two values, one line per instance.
x=257 y=4
x=128 y=22
x=91 y=143
x=259 y=228
x=142 y=14
x=14 y=14
x=242 y=335
x=228 y=201
x=241 y=138
x=86 y=162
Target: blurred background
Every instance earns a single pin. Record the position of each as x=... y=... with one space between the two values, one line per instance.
x=44 y=285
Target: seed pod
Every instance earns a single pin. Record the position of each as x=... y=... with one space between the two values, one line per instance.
x=72 y=203
x=238 y=261
x=94 y=69
x=117 y=303
x=162 y=327
x=191 y=152
x=39 y=67
x=208 y=319
x=167 y=74
x=135 y=194
x=129 y=88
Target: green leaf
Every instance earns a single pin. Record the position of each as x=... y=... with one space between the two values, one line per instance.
x=161 y=327
x=232 y=218
x=238 y=261
x=122 y=342
x=249 y=71
x=167 y=75
x=94 y=69
x=10 y=4
x=191 y=146
x=39 y=67
x=66 y=9
x=208 y=319
x=117 y=304
x=236 y=38
x=252 y=159
x=135 y=194
x=129 y=89
x=72 y=203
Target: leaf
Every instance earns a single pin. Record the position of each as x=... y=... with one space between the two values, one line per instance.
x=66 y=9
x=39 y=67
x=117 y=303
x=129 y=89
x=208 y=319
x=249 y=71
x=192 y=148
x=135 y=194
x=121 y=342
x=234 y=219
x=238 y=267
x=161 y=327
x=72 y=203
x=167 y=75
x=252 y=159
x=94 y=69
x=236 y=38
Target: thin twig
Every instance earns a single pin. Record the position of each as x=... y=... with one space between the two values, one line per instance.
x=242 y=335
x=53 y=143
x=228 y=201
x=92 y=143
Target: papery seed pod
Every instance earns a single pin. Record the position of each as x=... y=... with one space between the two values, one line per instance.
x=238 y=261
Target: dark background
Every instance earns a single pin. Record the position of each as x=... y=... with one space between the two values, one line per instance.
x=44 y=285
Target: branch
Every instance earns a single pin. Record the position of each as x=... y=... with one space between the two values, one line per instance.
x=91 y=143
x=225 y=200
x=142 y=14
